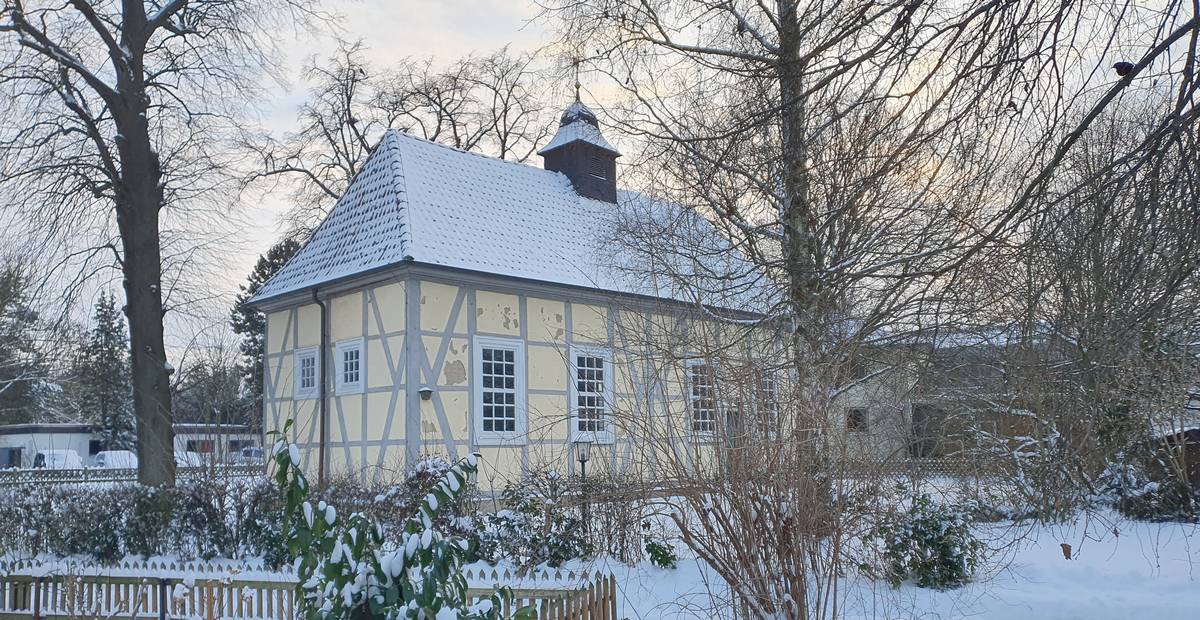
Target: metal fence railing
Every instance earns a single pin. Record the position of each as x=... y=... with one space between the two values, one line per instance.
x=11 y=477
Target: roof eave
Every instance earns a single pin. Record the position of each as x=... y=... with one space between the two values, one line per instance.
x=302 y=295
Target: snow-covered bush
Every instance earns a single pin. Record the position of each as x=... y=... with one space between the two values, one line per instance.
x=106 y=523
x=231 y=518
x=615 y=517
x=540 y=524
x=85 y=526
x=150 y=512
x=1169 y=500
x=202 y=524
x=1136 y=496
x=261 y=525
x=392 y=504
x=356 y=568
x=27 y=520
x=1045 y=478
x=929 y=544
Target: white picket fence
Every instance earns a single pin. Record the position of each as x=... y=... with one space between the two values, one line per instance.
x=204 y=590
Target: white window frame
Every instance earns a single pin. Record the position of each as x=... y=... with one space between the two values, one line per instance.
x=607 y=436
x=761 y=375
x=718 y=410
x=343 y=347
x=493 y=437
x=866 y=420
x=301 y=392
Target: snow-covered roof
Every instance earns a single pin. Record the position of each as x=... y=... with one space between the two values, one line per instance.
x=578 y=123
x=418 y=201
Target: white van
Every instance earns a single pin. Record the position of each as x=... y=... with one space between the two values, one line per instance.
x=116 y=459
x=57 y=459
x=188 y=459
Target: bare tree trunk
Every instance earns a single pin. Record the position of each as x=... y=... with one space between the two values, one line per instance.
x=798 y=241
x=138 y=204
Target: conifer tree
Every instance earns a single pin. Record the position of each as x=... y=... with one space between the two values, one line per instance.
x=21 y=367
x=251 y=325
x=106 y=393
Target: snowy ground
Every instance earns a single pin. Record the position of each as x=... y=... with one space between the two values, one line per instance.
x=1143 y=571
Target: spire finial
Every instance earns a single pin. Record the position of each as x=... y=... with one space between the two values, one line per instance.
x=576 y=63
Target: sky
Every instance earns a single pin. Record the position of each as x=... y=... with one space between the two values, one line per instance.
x=390 y=31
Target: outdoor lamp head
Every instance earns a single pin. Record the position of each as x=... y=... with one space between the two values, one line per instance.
x=583 y=449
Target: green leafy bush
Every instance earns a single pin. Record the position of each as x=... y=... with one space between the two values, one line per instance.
x=86 y=527
x=202 y=520
x=661 y=554
x=929 y=544
x=1169 y=500
x=541 y=524
x=353 y=567
x=150 y=515
x=261 y=525
x=233 y=518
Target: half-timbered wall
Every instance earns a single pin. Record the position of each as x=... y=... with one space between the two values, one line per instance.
x=418 y=339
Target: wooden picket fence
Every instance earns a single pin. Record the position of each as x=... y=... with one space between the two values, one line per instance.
x=593 y=597
x=152 y=590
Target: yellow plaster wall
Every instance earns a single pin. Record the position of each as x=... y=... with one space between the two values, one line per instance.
x=309 y=317
x=456 y=405
x=548 y=367
x=589 y=323
x=546 y=320
x=457 y=369
x=499 y=465
x=548 y=417
x=548 y=376
x=278 y=328
x=346 y=316
x=389 y=299
x=437 y=302
x=497 y=313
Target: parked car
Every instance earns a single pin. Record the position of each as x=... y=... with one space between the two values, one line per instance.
x=189 y=459
x=116 y=459
x=57 y=459
x=251 y=456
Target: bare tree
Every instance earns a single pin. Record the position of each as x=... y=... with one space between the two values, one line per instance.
x=127 y=109
x=1098 y=306
x=868 y=158
x=488 y=104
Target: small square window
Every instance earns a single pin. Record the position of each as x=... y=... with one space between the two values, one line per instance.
x=350 y=367
x=307 y=373
x=856 y=420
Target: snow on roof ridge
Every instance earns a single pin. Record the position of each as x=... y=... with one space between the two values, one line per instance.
x=407 y=241
x=578 y=130
x=404 y=134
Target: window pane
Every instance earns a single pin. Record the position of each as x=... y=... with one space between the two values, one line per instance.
x=704 y=403
x=591 y=400
x=498 y=382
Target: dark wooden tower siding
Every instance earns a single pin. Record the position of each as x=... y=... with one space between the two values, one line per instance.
x=580 y=152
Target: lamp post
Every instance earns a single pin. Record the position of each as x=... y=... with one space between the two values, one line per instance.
x=583 y=449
